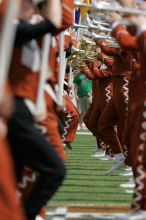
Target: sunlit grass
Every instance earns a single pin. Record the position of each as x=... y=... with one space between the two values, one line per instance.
x=86 y=182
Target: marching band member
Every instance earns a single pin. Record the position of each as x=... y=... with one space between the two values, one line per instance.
x=23 y=136
x=104 y=84
x=71 y=118
x=116 y=110
x=117 y=105
x=86 y=118
x=10 y=208
x=9 y=205
x=102 y=76
x=49 y=126
x=137 y=144
x=127 y=41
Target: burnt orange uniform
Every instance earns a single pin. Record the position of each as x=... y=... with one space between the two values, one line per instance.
x=100 y=88
x=138 y=144
x=129 y=42
x=50 y=124
x=103 y=77
x=71 y=118
x=9 y=203
x=115 y=111
x=136 y=116
x=25 y=138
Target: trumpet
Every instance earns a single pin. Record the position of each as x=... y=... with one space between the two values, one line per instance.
x=101 y=37
x=90 y=49
x=79 y=26
x=110 y=41
x=87 y=34
x=91 y=55
x=100 y=22
x=98 y=27
x=113 y=44
x=87 y=45
x=98 y=6
x=76 y=64
x=125 y=22
x=86 y=52
x=76 y=57
x=91 y=26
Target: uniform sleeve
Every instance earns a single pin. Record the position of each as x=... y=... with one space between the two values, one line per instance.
x=100 y=73
x=124 y=38
x=109 y=62
x=67 y=9
x=26 y=31
x=87 y=72
x=110 y=51
x=134 y=65
x=141 y=40
x=3 y=7
x=67 y=41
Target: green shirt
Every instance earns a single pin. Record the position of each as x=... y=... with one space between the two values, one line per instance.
x=84 y=85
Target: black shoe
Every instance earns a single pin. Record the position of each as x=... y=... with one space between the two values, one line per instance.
x=68 y=145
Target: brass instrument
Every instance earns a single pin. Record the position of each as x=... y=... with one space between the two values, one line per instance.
x=91 y=55
x=88 y=45
x=98 y=6
x=91 y=26
x=101 y=37
x=100 y=22
x=98 y=27
x=110 y=41
x=86 y=52
x=79 y=26
x=125 y=22
x=87 y=34
x=76 y=59
x=113 y=44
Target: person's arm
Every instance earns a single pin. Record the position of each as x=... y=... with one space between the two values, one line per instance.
x=134 y=65
x=108 y=61
x=87 y=72
x=100 y=73
x=26 y=31
x=140 y=24
x=67 y=14
x=109 y=51
x=141 y=40
x=124 y=38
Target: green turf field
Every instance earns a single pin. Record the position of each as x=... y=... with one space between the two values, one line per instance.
x=86 y=182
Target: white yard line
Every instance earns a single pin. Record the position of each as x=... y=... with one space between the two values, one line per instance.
x=93 y=216
x=62 y=214
x=84 y=133
x=59 y=214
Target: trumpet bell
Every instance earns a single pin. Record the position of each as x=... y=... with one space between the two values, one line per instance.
x=91 y=55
